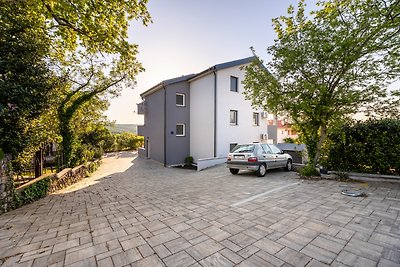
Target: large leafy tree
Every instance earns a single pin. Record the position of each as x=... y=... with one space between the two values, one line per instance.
x=88 y=48
x=328 y=66
x=28 y=88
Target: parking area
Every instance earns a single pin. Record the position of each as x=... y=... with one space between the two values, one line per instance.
x=134 y=212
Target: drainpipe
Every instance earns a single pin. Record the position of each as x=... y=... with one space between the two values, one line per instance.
x=215 y=112
x=165 y=125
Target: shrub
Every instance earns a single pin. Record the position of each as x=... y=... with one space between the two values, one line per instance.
x=369 y=147
x=189 y=160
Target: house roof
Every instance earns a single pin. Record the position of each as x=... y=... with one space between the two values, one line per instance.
x=192 y=77
x=165 y=83
x=222 y=66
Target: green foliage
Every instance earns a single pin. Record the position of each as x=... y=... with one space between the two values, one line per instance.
x=309 y=170
x=290 y=140
x=33 y=192
x=29 y=90
x=123 y=141
x=189 y=160
x=369 y=147
x=328 y=67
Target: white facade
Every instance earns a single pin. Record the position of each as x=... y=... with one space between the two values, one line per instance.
x=202 y=115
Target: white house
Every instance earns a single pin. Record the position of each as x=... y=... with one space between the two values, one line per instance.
x=214 y=118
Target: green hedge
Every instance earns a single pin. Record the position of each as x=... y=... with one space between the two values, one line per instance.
x=368 y=147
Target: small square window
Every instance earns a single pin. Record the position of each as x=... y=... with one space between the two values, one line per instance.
x=180 y=129
x=233 y=117
x=180 y=100
x=234 y=84
x=256 y=119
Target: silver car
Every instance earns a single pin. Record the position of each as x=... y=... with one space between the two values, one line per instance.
x=258 y=157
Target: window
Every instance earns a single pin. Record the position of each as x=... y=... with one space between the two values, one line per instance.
x=233 y=117
x=180 y=129
x=275 y=150
x=232 y=146
x=256 y=119
x=267 y=149
x=234 y=84
x=180 y=100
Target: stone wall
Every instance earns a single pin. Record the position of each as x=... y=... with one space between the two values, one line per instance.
x=6 y=185
x=15 y=197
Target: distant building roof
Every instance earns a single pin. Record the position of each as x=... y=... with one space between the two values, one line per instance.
x=291 y=147
x=279 y=123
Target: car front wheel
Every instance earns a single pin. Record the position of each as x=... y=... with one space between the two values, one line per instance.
x=262 y=170
x=234 y=171
x=289 y=165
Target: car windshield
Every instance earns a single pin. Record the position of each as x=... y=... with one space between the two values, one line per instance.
x=243 y=149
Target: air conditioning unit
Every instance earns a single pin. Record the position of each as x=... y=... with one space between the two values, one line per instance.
x=264 y=114
x=264 y=136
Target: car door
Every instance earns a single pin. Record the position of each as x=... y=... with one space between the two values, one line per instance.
x=280 y=159
x=268 y=157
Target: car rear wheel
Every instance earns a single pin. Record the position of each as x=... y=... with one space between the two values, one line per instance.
x=289 y=165
x=234 y=171
x=262 y=170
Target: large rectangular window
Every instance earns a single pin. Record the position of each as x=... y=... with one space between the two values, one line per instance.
x=180 y=100
x=180 y=129
x=256 y=119
x=234 y=84
x=233 y=117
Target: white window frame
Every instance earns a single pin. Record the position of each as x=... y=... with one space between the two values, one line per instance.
x=184 y=100
x=184 y=129
x=236 y=117
x=257 y=122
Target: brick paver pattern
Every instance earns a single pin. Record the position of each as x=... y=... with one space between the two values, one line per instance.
x=134 y=212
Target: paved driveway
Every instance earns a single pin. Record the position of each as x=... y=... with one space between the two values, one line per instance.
x=135 y=212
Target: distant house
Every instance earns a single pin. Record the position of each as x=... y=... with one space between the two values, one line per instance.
x=278 y=130
x=202 y=115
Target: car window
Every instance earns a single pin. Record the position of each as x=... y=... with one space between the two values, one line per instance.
x=275 y=150
x=267 y=149
x=243 y=149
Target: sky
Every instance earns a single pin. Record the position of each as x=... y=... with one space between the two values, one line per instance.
x=188 y=36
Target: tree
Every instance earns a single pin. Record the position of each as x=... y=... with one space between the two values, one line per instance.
x=89 y=49
x=28 y=87
x=329 y=66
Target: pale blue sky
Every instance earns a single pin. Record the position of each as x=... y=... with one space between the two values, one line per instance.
x=188 y=36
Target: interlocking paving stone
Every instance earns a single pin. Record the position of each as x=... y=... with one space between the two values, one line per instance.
x=204 y=249
x=126 y=257
x=293 y=257
x=216 y=260
x=180 y=259
x=318 y=253
x=133 y=242
x=135 y=212
x=351 y=259
x=268 y=246
x=152 y=261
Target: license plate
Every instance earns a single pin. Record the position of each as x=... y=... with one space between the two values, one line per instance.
x=239 y=157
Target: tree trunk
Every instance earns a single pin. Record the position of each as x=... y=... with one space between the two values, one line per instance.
x=320 y=143
x=39 y=163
